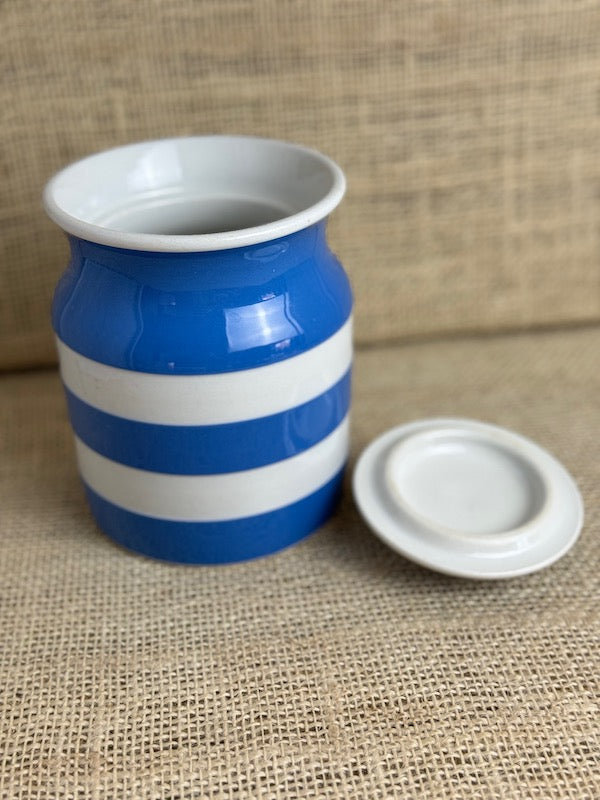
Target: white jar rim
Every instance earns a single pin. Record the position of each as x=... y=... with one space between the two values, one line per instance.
x=195 y=193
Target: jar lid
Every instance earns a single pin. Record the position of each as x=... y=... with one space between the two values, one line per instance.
x=468 y=498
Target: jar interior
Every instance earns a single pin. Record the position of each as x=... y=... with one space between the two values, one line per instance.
x=191 y=216
x=193 y=186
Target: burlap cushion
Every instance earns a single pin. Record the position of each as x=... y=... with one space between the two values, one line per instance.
x=469 y=131
x=335 y=670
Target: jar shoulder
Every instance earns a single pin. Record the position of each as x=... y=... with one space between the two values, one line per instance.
x=209 y=314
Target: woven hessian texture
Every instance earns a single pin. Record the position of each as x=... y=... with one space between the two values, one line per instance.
x=469 y=131
x=334 y=670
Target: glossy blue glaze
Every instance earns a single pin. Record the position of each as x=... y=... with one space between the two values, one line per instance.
x=208 y=449
x=198 y=313
x=145 y=292
x=217 y=542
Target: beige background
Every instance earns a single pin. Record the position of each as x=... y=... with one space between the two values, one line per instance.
x=469 y=131
x=335 y=670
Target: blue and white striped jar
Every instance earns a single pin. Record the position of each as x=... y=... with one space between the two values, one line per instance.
x=204 y=336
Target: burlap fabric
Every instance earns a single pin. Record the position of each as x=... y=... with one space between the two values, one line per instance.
x=469 y=131
x=335 y=669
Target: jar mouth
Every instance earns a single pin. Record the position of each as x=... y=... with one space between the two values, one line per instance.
x=194 y=193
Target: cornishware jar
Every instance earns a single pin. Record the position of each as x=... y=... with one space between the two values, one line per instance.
x=204 y=334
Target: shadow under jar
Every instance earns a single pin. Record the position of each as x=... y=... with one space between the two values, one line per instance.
x=204 y=335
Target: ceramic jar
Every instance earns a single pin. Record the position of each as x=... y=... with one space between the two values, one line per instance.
x=204 y=334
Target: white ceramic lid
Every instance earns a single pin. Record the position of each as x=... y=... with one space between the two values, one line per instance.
x=467 y=498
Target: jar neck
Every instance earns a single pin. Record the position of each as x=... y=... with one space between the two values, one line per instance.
x=211 y=269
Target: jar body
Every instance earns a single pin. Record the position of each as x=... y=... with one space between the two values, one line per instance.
x=208 y=392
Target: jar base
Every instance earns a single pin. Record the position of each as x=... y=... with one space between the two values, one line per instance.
x=223 y=542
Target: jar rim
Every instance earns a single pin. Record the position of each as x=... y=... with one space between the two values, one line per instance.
x=194 y=193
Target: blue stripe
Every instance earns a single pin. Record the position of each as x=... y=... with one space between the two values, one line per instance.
x=209 y=449
x=217 y=542
x=201 y=313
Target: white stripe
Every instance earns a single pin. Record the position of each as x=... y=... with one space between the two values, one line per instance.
x=231 y=495
x=209 y=399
